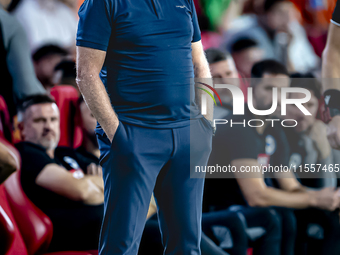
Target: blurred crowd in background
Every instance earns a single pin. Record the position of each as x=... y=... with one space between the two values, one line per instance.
x=293 y=33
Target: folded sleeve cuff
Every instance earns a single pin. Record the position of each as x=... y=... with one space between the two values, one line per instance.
x=92 y=45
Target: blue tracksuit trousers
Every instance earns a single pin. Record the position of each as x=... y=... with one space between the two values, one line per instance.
x=143 y=160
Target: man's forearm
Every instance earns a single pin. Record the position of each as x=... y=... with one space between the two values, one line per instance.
x=89 y=64
x=275 y=197
x=98 y=181
x=331 y=55
x=91 y=194
x=98 y=101
x=330 y=68
x=70 y=3
x=331 y=59
x=202 y=74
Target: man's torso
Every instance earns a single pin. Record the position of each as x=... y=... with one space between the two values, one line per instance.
x=148 y=65
x=239 y=142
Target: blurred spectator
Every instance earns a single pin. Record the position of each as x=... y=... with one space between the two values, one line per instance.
x=223 y=71
x=278 y=33
x=65 y=73
x=221 y=64
x=227 y=229
x=13 y=5
x=246 y=53
x=223 y=233
x=210 y=39
x=311 y=151
x=89 y=148
x=316 y=16
x=47 y=22
x=246 y=146
x=308 y=140
x=17 y=74
x=214 y=10
x=331 y=69
x=45 y=60
x=80 y=2
x=266 y=219
x=66 y=189
x=72 y=4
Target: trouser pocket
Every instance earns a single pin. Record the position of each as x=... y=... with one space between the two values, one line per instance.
x=104 y=142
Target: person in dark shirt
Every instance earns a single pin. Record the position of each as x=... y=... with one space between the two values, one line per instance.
x=56 y=180
x=246 y=52
x=66 y=71
x=310 y=148
x=308 y=140
x=223 y=71
x=18 y=79
x=244 y=146
x=89 y=148
x=135 y=67
x=331 y=75
x=45 y=60
x=262 y=218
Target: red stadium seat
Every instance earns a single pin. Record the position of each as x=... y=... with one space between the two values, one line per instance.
x=6 y=232
x=24 y=228
x=66 y=98
x=11 y=242
x=5 y=121
x=35 y=227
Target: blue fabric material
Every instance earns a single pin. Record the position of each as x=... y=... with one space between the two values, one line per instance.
x=148 y=65
x=141 y=161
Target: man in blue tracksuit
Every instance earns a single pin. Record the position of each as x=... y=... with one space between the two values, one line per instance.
x=151 y=132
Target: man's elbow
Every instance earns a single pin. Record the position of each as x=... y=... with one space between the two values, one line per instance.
x=9 y=166
x=325 y=55
x=83 y=192
x=83 y=196
x=86 y=76
x=87 y=191
x=258 y=199
x=81 y=78
x=331 y=54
